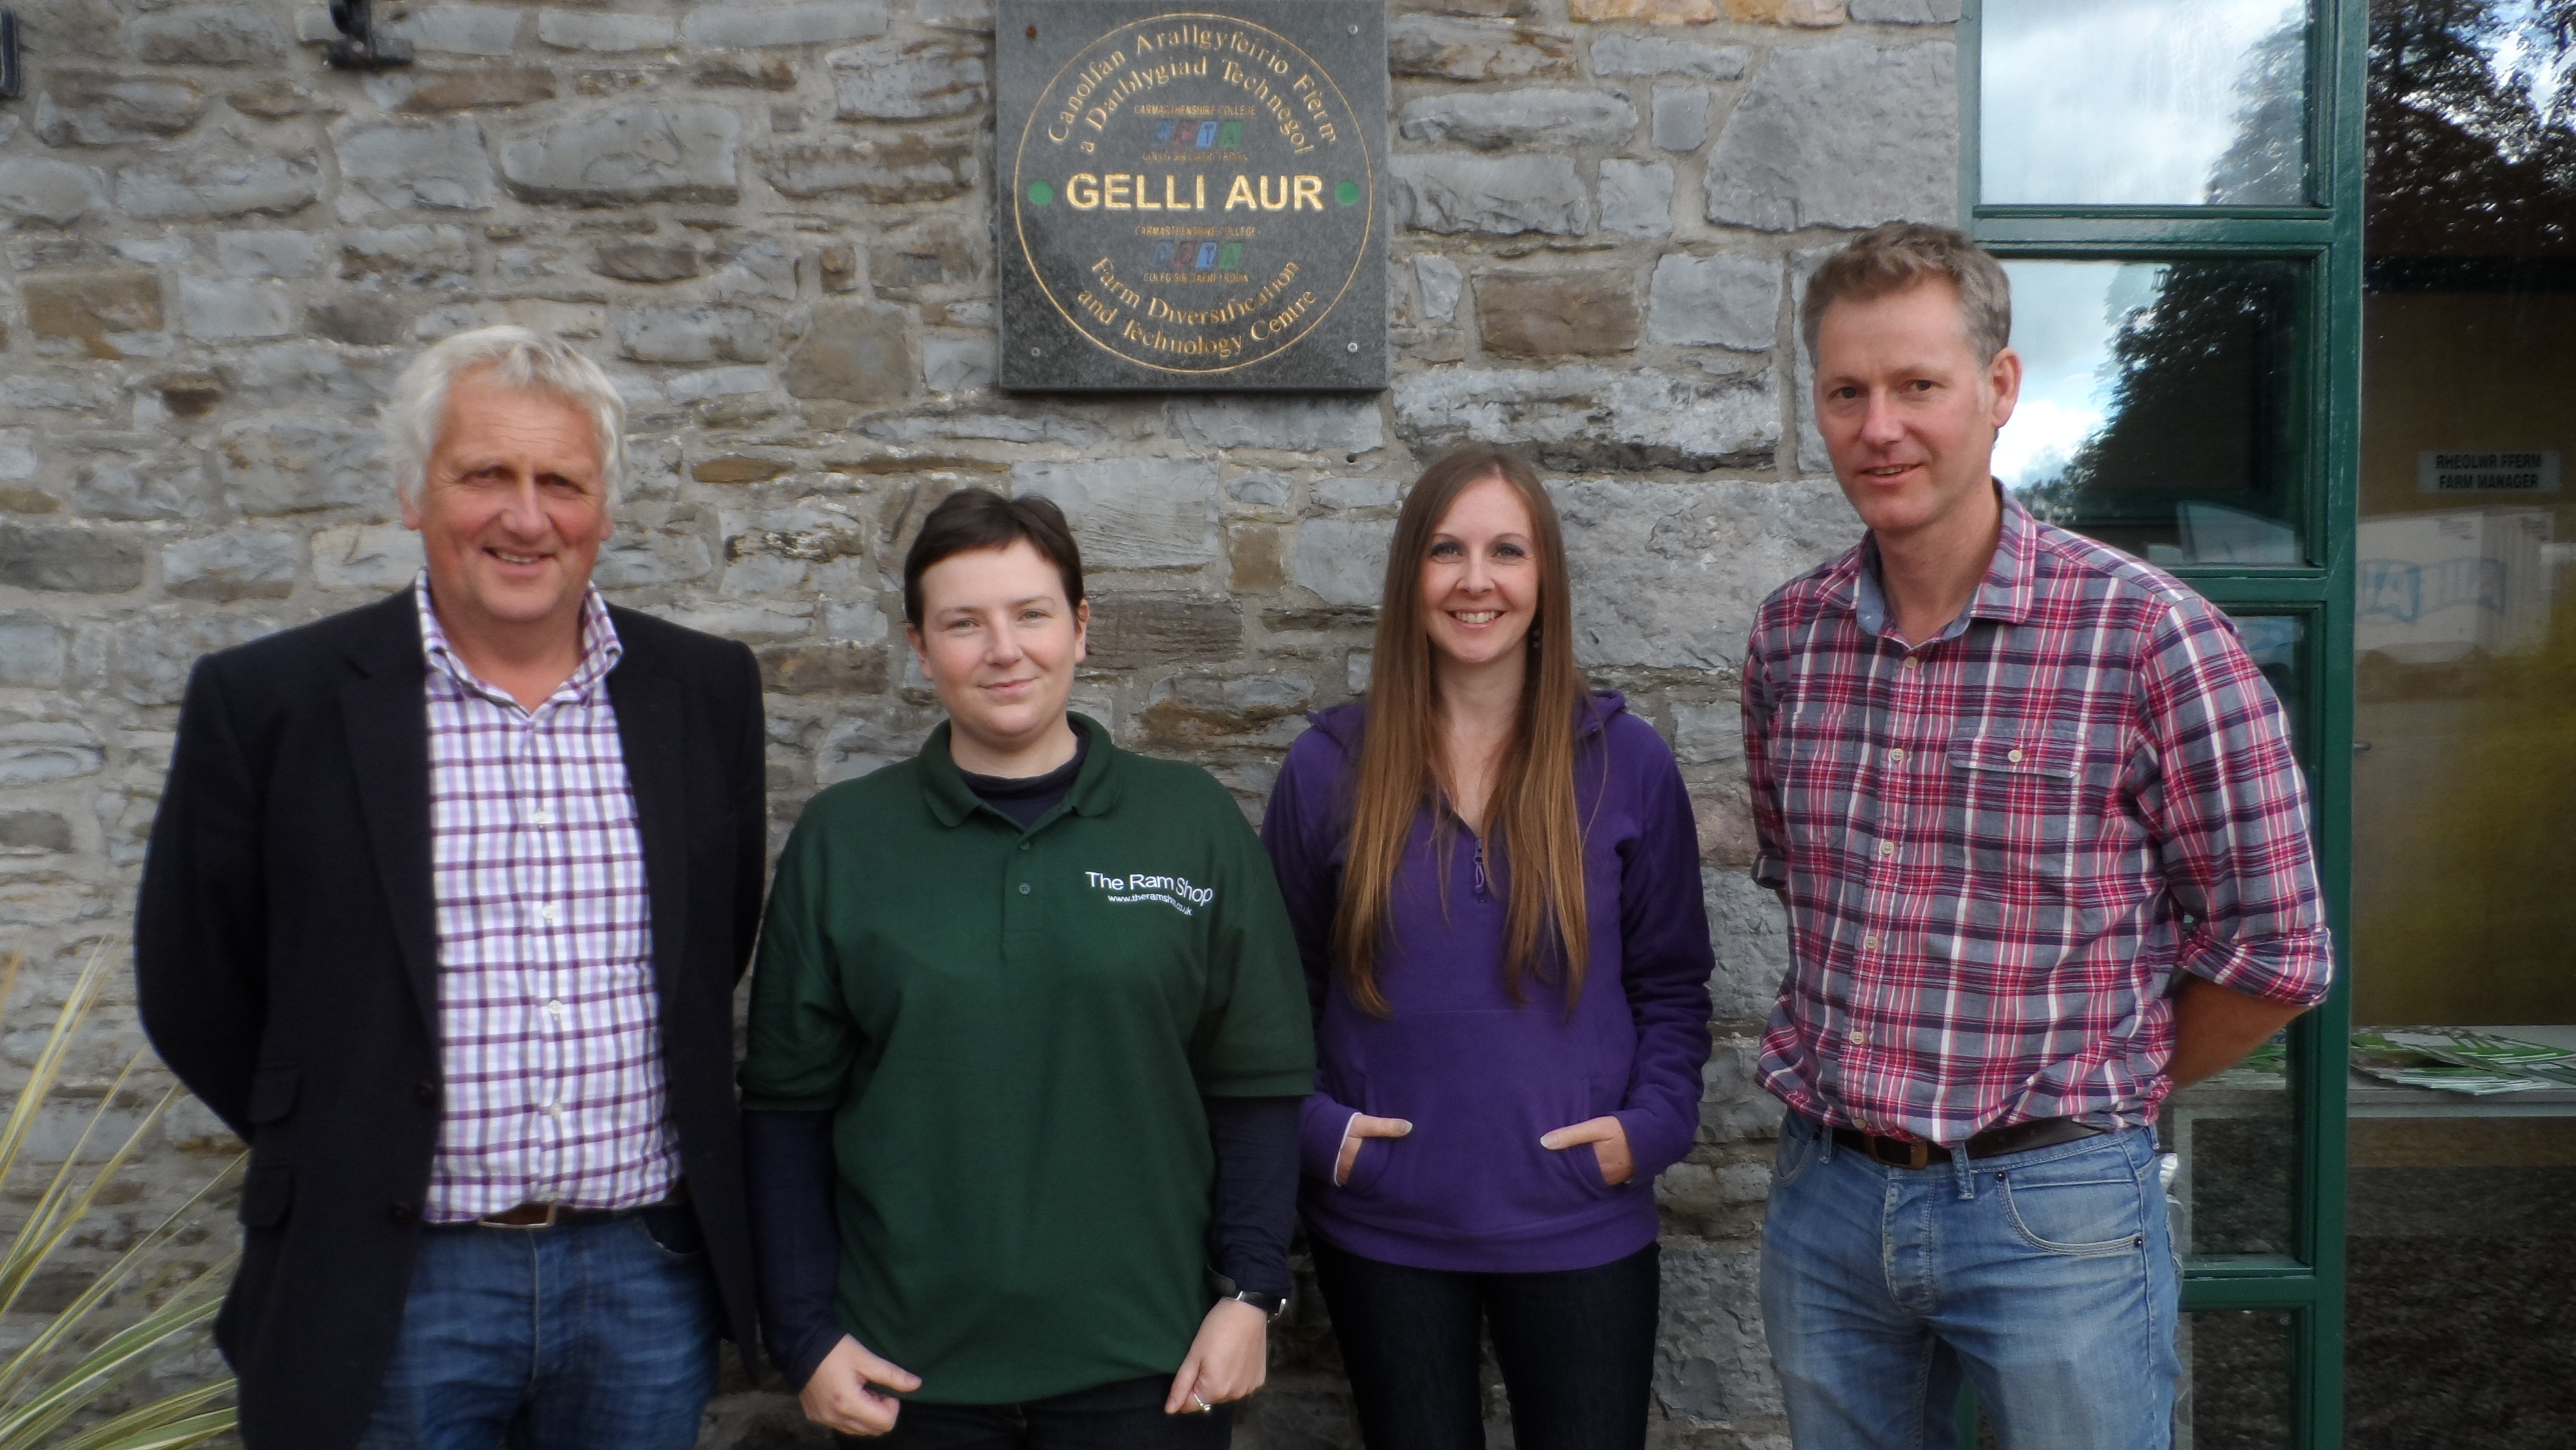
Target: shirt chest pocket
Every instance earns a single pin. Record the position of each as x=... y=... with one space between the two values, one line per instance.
x=2014 y=803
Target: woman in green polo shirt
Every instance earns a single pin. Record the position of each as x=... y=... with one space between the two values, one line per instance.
x=1028 y=1038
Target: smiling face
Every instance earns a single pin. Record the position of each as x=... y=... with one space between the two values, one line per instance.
x=511 y=511
x=999 y=644
x=1909 y=412
x=1480 y=578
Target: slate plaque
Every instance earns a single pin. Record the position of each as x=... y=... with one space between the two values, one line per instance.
x=1188 y=195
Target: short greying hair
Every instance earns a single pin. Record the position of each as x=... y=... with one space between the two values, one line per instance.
x=1901 y=256
x=517 y=358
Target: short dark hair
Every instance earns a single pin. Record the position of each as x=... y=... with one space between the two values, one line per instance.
x=978 y=518
x=1900 y=256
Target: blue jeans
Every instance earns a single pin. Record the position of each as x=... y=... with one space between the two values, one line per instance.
x=2045 y=1278
x=595 y=1337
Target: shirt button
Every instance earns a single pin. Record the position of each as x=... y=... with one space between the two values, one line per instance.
x=1024 y=888
x=546 y=914
x=1869 y=944
x=541 y=817
x=1887 y=848
x=1860 y=1039
x=2013 y=755
x=555 y=1010
x=553 y=1110
x=1897 y=755
x=1024 y=845
x=1911 y=662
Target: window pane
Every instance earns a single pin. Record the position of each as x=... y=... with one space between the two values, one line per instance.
x=2143 y=103
x=2235 y=1381
x=2158 y=408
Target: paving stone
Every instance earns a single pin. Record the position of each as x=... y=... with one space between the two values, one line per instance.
x=68 y=560
x=33 y=188
x=374 y=558
x=683 y=151
x=857 y=352
x=1726 y=300
x=909 y=80
x=96 y=108
x=883 y=170
x=1643 y=12
x=1347 y=426
x=1343 y=561
x=461 y=29
x=1658 y=55
x=1442 y=283
x=1504 y=195
x=1131 y=513
x=1548 y=314
x=605 y=31
x=209 y=35
x=291 y=465
x=268 y=254
x=1841 y=134
x=1587 y=418
x=226 y=308
x=1134 y=631
x=213 y=186
x=1806 y=14
x=1681 y=118
x=397 y=166
x=1494 y=120
x=435 y=92
x=230 y=566
x=732 y=27
x=410 y=256
x=1906 y=12
x=1674 y=571
x=95 y=307
x=1435 y=48
x=1637 y=197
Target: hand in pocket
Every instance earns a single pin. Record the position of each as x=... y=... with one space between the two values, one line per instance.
x=1364 y=1127
x=1609 y=1140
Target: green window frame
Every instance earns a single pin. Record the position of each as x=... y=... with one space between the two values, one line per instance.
x=2325 y=236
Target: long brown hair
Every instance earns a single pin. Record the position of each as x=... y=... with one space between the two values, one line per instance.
x=1531 y=812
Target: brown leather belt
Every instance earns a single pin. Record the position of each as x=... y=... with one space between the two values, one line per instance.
x=1992 y=1143
x=549 y=1215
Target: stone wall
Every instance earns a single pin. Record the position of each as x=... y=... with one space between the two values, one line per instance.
x=772 y=224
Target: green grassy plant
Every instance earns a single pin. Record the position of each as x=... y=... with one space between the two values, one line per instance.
x=69 y=1387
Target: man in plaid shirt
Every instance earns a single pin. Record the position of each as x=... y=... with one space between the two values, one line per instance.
x=2045 y=851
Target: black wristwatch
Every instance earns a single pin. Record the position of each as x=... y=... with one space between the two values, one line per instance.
x=1270 y=1305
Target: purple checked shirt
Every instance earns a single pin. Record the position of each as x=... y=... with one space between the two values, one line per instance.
x=548 y=1022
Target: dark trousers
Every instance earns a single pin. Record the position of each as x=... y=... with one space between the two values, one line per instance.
x=1123 y=1415
x=1577 y=1351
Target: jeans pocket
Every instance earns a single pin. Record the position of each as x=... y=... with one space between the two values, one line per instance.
x=2082 y=1215
x=673 y=1230
x=1797 y=1150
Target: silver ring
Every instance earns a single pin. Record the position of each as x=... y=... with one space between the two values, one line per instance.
x=1204 y=1406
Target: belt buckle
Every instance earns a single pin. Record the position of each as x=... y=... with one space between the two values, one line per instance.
x=553 y=1211
x=1917 y=1154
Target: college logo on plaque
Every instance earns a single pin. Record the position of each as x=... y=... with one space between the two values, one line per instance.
x=1189 y=198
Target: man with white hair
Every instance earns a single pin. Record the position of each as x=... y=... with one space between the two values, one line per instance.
x=443 y=912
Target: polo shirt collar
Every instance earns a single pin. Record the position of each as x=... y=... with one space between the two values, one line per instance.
x=1094 y=791
x=2007 y=593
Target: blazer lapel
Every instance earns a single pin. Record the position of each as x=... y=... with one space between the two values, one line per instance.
x=386 y=712
x=653 y=731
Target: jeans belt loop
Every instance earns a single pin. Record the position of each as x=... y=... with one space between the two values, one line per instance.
x=1967 y=1176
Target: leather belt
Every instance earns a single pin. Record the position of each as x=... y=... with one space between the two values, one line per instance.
x=1992 y=1143
x=549 y=1215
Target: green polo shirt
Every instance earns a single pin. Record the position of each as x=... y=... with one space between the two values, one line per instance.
x=1012 y=1029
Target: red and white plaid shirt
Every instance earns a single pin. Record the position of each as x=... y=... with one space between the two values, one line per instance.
x=548 y=1020
x=1998 y=847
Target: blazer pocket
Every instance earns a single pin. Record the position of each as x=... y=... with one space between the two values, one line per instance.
x=266 y=1195
x=272 y=1095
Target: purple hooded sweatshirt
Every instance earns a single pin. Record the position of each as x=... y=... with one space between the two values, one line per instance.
x=1479 y=1077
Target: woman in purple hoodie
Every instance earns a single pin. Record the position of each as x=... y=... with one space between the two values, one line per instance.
x=1494 y=880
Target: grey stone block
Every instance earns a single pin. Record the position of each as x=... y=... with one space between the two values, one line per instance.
x=93 y=108
x=1905 y=12
x=1723 y=301
x=1358 y=493
x=1493 y=120
x=461 y=29
x=209 y=35
x=878 y=169
x=46 y=762
x=268 y=254
x=733 y=382
x=647 y=261
x=34 y=831
x=1132 y=631
x=682 y=151
x=1131 y=514
x=1751 y=931
x=856 y=352
x=1438 y=48
x=762 y=270
x=222 y=308
x=1637 y=197
x=909 y=80
x=1290 y=424
x=1673 y=572
x=68 y=560
x=1585 y=418
x=1681 y=118
x=1342 y=561
x=400 y=165
x=609 y=31
x=1812 y=457
x=214 y=186
x=632 y=559
x=135 y=477
x=292 y=465
x=955 y=364
x=730 y=27
x=376 y=558
x=1441 y=284
x=415 y=256
x=1711 y=1360
x=33 y=651
x=33 y=188
x=1841 y=134
x=696 y=334
x=152 y=659
x=1618 y=54
x=231 y=566
x=1503 y=195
